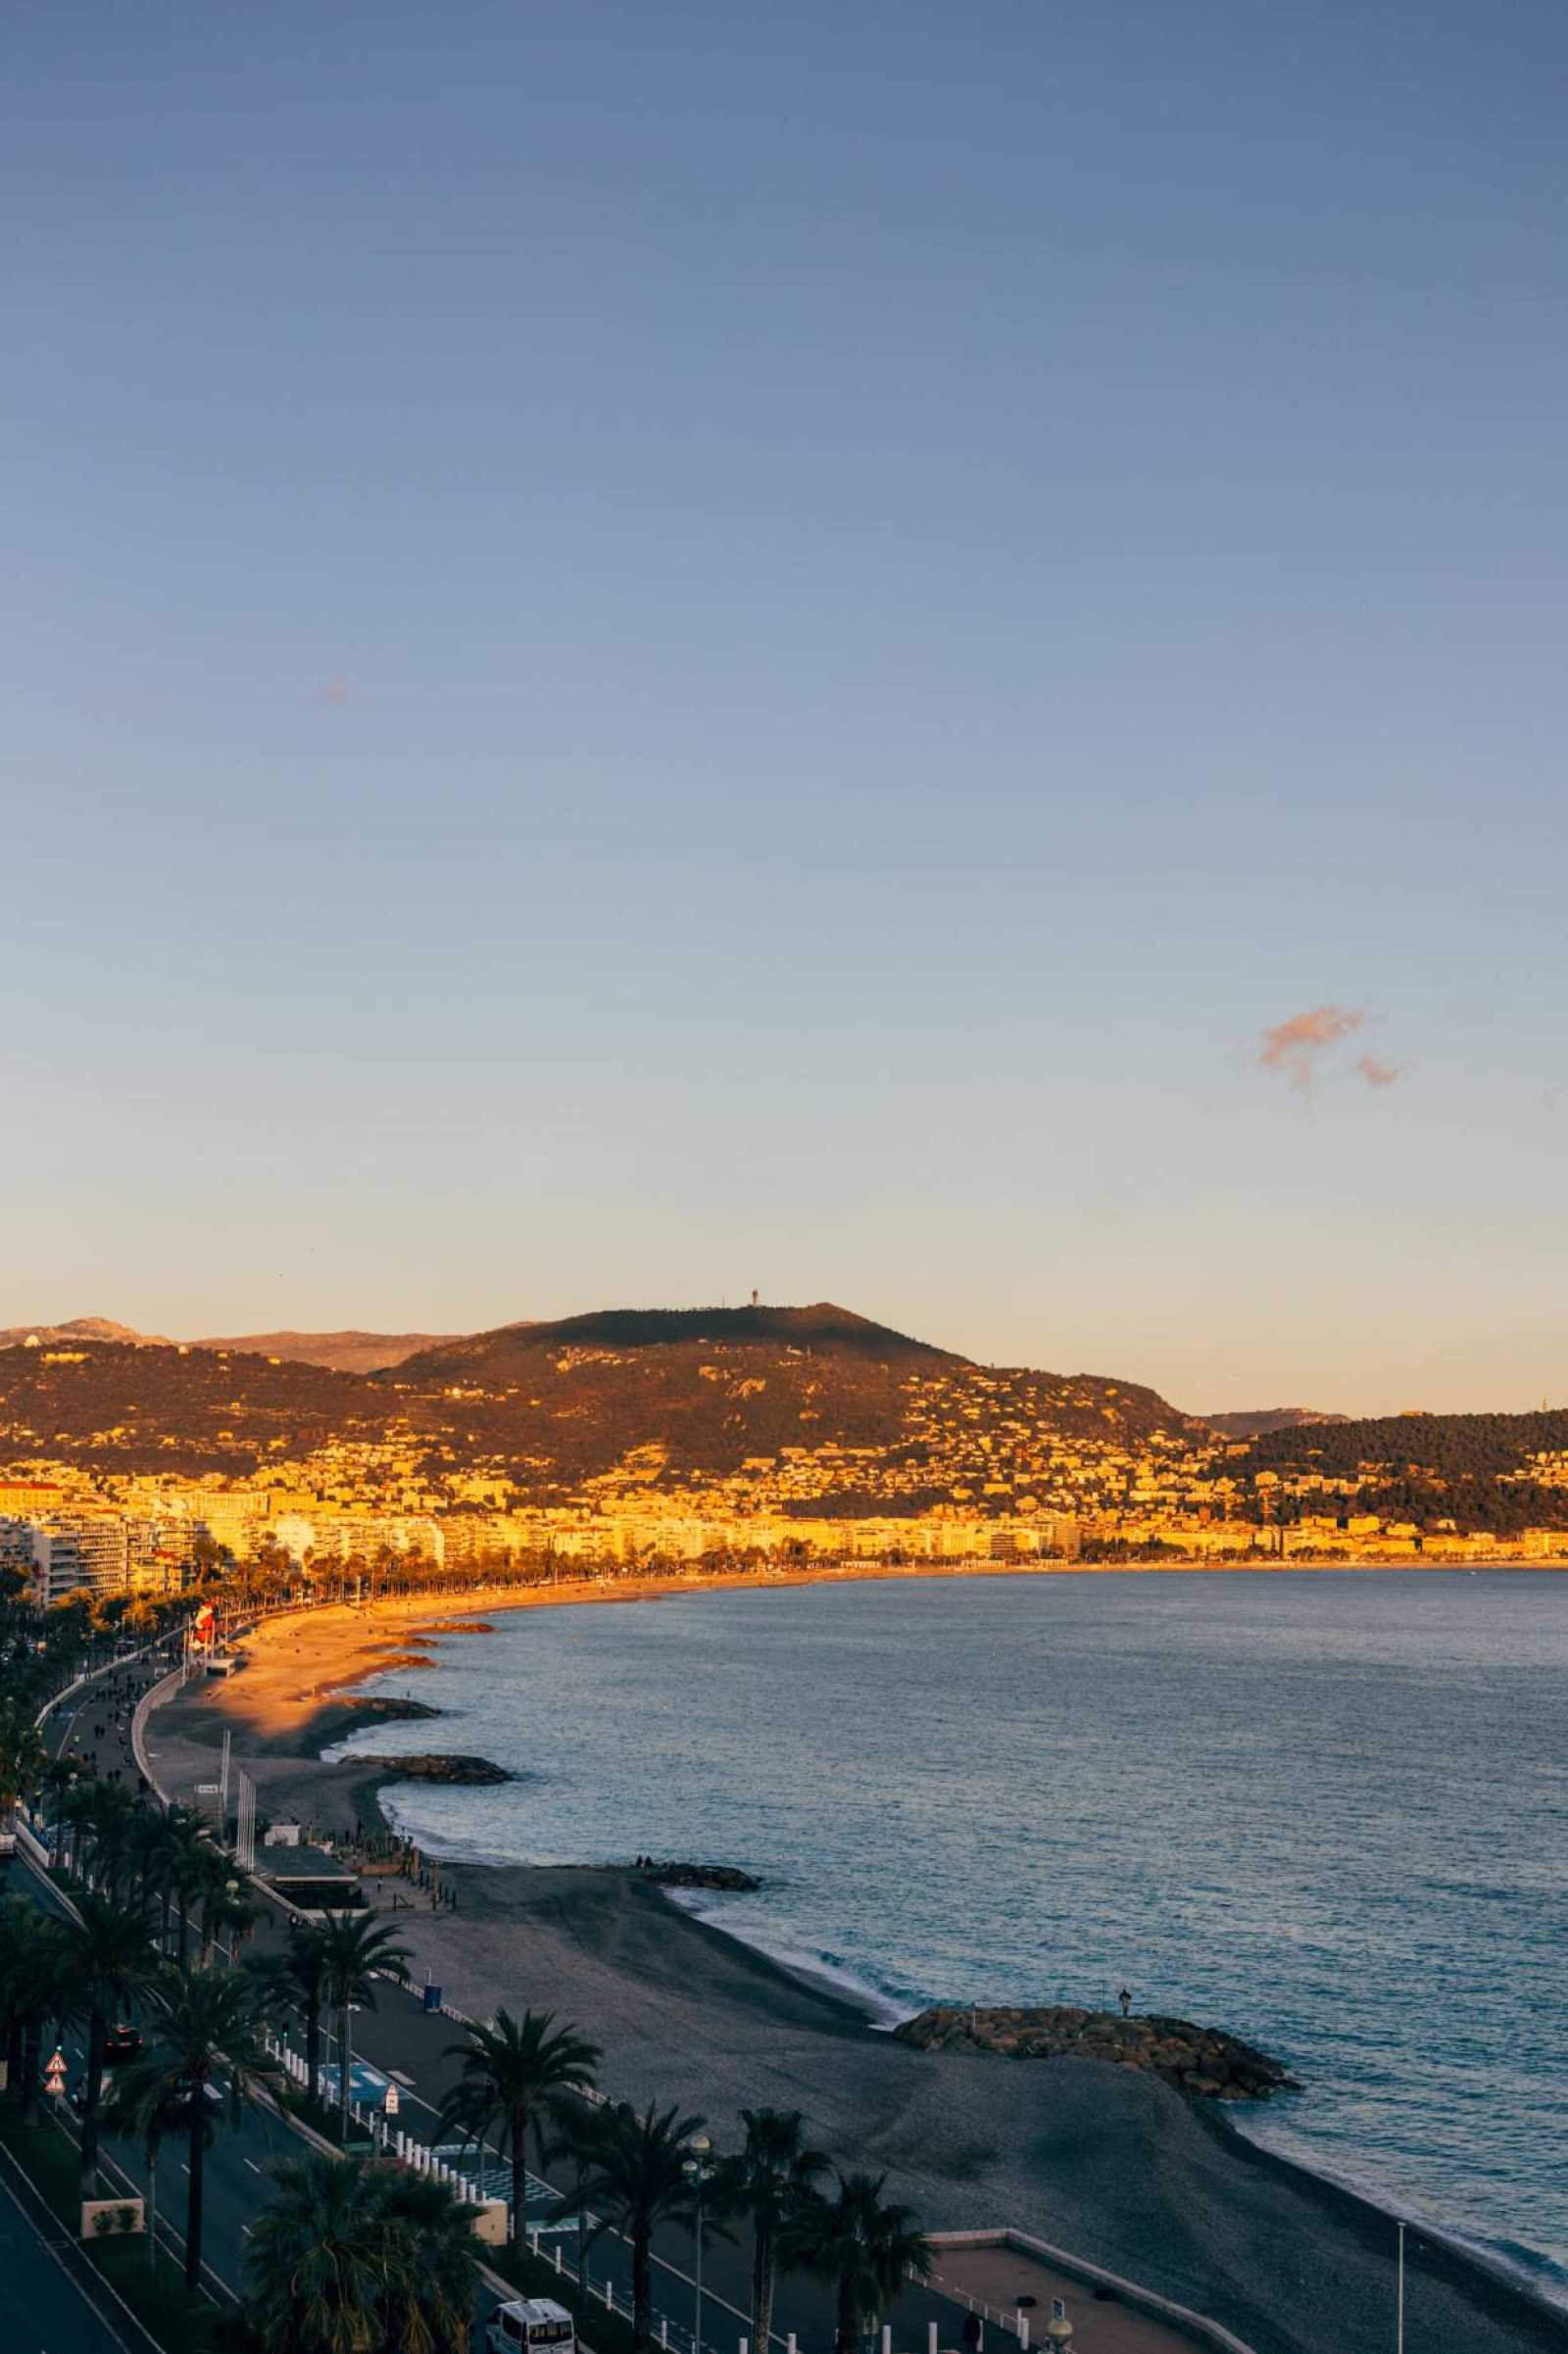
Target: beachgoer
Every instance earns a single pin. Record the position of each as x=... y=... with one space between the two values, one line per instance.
x=1126 y=2001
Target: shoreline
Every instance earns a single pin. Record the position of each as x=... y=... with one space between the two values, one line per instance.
x=1107 y=2162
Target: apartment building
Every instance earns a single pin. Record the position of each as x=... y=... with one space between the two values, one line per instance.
x=80 y=1555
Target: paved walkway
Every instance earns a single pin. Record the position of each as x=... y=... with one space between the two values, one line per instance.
x=1003 y=2277
x=51 y=2303
x=400 y=2040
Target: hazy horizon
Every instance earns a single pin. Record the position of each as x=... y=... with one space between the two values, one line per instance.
x=904 y=654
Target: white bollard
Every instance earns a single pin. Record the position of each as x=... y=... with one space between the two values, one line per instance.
x=558 y=2255
x=745 y=2346
x=930 y=2337
x=887 y=2339
x=1023 y=2334
x=663 y=2332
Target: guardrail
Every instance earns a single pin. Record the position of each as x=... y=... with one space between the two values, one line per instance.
x=150 y=1700
x=410 y=2152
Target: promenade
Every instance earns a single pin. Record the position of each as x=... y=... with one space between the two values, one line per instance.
x=401 y=2043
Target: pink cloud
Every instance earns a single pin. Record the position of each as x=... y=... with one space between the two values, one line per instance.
x=1376 y=1073
x=333 y=696
x=1293 y=1047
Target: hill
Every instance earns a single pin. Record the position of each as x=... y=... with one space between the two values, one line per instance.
x=78 y=1328
x=1264 y=1420
x=338 y=1352
x=806 y=1411
x=802 y=1409
x=823 y=1331
x=1488 y=1471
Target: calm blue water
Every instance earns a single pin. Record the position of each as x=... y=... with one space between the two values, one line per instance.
x=1327 y=1811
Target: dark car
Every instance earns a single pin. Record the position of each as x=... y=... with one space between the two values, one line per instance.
x=120 y=2043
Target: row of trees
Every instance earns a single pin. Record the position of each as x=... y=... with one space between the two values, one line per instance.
x=349 y=2257
x=120 y=1955
x=634 y=2171
x=519 y=2080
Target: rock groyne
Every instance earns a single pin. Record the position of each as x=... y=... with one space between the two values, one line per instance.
x=441 y=1766
x=1202 y=2061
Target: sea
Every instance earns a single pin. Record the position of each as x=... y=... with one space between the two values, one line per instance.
x=1326 y=1810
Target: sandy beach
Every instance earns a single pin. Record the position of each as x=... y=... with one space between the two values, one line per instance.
x=1104 y=2161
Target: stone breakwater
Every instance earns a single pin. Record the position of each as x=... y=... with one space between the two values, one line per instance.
x=437 y=1766
x=700 y=1876
x=1202 y=2061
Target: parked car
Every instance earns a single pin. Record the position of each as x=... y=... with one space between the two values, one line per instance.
x=527 y=2322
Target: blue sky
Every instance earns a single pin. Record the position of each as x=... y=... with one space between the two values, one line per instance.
x=655 y=649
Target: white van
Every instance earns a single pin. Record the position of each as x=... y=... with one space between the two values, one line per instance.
x=527 y=2321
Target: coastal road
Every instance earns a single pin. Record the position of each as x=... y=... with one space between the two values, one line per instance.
x=235 y=2175
x=53 y=2302
x=402 y=2042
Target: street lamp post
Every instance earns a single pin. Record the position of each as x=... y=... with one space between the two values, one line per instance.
x=696 y=2169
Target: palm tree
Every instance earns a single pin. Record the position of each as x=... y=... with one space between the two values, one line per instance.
x=162 y=2113
x=23 y=1759
x=109 y=1957
x=112 y=1832
x=304 y=1966
x=429 y=2301
x=148 y=1846
x=190 y=1869
x=59 y=1781
x=356 y=1947
x=768 y=2182
x=316 y=2261
x=348 y=2257
x=223 y=1906
x=568 y=2146
x=514 y=2073
x=865 y=2248
x=31 y=1977
x=635 y=2170
x=205 y=2028
x=74 y=1811
x=176 y=1859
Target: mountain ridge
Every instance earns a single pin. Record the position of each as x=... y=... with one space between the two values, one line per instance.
x=1261 y=1422
x=821 y=1327
x=788 y=1411
x=346 y=1352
